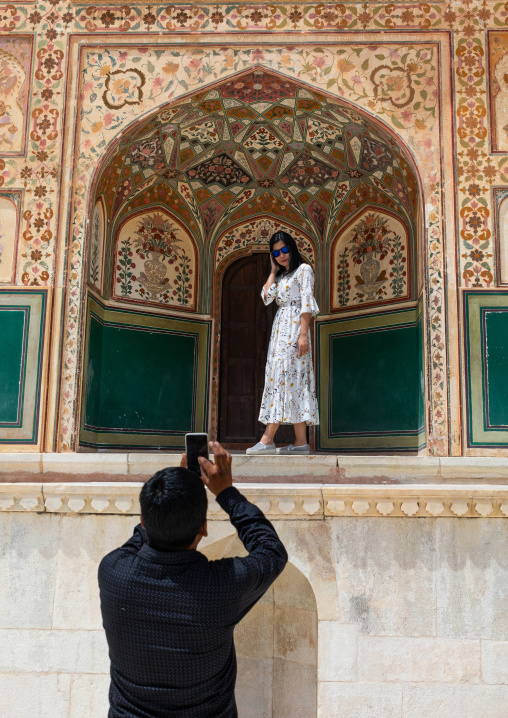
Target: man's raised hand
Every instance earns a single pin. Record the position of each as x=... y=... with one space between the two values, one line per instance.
x=216 y=474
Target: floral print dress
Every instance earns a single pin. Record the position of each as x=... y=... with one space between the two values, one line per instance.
x=289 y=396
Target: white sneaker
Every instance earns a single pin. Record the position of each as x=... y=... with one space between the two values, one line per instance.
x=295 y=450
x=262 y=449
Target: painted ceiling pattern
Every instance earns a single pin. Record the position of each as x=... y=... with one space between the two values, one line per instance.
x=258 y=143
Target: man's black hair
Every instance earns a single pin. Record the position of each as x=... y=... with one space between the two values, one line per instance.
x=295 y=258
x=173 y=505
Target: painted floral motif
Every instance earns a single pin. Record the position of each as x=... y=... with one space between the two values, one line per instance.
x=343 y=279
x=15 y=61
x=123 y=87
x=394 y=84
x=323 y=135
x=156 y=235
x=154 y=262
x=263 y=140
x=95 y=245
x=124 y=268
x=148 y=153
x=9 y=203
x=376 y=156
x=377 y=248
x=257 y=233
x=498 y=87
x=259 y=86
x=308 y=171
x=183 y=282
x=204 y=132
x=221 y=169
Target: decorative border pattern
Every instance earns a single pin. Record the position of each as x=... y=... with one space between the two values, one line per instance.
x=33 y=305
x=200 y=330
x=283 y=502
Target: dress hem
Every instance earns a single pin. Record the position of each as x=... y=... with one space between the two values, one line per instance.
x=309 y=422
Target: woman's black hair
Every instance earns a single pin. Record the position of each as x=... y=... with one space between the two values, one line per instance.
x=295 y=258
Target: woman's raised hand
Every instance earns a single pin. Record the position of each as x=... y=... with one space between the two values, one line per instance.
x=274 y=266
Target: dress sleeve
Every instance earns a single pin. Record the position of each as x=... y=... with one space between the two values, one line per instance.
x=309 y=304
x=270 y=295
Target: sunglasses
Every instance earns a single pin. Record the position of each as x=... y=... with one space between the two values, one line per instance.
x=276 y=252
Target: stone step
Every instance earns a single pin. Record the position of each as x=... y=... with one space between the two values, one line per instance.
x=315 y=468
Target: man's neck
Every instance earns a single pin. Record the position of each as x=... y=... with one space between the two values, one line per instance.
x=192 y=547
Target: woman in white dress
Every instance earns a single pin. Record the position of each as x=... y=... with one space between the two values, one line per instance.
x=289 y=396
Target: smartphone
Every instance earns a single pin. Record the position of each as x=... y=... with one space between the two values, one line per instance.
x=196 y=445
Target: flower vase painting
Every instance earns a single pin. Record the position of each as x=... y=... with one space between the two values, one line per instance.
x=155 y=261
x=371 y=262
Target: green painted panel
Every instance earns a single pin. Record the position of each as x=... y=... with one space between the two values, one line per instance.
x=13 y=333
x=496 y=353
x=421 y=374
x=486 y=352
x=139 y=379
x=376 y=379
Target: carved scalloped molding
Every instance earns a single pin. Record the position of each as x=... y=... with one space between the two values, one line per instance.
x=278 y=501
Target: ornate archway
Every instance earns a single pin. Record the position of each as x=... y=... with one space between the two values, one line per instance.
x=254 y=147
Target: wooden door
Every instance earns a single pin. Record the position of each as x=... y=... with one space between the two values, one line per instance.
x=245 y=334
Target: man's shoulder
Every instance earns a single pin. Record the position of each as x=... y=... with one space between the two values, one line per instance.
x=109 y=563
x=232 y=569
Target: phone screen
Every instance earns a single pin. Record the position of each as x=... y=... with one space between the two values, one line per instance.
x=196 y=445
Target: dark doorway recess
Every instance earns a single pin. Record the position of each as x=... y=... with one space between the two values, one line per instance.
x=245 y=334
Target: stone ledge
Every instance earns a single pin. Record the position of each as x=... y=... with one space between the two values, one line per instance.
x=278 y=501
x=334 y=469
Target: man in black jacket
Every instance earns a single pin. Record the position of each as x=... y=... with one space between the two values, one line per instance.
x=169 y=613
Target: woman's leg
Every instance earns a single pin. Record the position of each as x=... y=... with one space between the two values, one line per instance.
x=269 y=435
x=300 y=433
